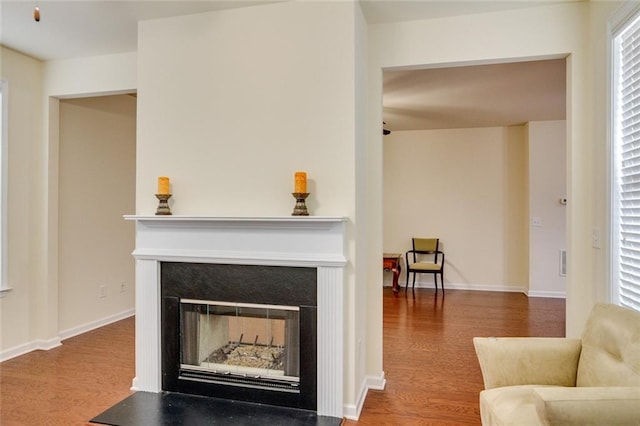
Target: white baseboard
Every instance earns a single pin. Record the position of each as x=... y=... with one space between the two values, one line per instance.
x=46 y=345
x=551 y=294
x=16 y=351
x=482 y=287
x=376 y=383
x=466 y=286
x=352 y=411
x=75 y=331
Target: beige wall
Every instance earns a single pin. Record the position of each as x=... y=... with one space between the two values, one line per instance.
x=301 y=117
x=229 y=108
x=237 y=108
x=29 y=313
x=96 y=188
x=518 y=35
x=19 y=307
x=468 y=188
x=547 y=185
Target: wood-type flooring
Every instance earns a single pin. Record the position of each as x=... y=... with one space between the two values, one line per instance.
x=429 y=362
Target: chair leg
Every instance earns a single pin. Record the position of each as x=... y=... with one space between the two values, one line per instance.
x=442 y=281
x=435 y=280
x=406 y=284
x=413 y=283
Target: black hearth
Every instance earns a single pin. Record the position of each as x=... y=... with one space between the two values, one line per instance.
x=240 y=332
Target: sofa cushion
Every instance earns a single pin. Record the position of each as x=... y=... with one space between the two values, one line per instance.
x=610 y=348
x=510 y=405
x=584 y=406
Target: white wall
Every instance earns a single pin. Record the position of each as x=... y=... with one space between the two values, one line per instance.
x=96 y=188
x=468 y=188
x=547 y=185
x=537 y=32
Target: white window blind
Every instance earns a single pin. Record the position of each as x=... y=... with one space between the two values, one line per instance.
x=626 y=199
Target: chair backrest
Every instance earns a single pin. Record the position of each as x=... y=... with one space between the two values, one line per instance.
x=610 y=348
x=426 y=245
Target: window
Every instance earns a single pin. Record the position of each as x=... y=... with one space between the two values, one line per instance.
x=625 y=212
x=4 y=135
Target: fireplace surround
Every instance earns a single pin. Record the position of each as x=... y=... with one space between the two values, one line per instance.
x=242 y=332
x=315 y=244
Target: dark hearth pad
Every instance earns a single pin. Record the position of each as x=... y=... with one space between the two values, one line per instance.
x=168 y=408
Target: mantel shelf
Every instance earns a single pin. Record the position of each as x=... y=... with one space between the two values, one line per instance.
x=280 y=219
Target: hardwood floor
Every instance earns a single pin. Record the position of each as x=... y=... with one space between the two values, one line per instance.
x=429 y=361
x=433 y=377
x=71 y=384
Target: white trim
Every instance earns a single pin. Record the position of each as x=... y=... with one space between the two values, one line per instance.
x=466 y=286
x=214 y=246
x=269 y=222
x=549 y=294
x=377 y=382
x=239 y=258
x=484 y=287
x=4 y=142
x=16 y=351
x=46 y=345
x=614 y=25
x=353 y=411
x=620 y=22
x=622 y=16
x=81 y=329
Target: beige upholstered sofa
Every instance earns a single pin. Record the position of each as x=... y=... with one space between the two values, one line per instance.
x=594 y=380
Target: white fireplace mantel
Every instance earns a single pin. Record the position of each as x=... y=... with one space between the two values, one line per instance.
x=285 y=241
x=307 y=241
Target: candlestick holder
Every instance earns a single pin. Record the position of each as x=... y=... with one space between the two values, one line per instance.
x=163 y=205
x=301 y=208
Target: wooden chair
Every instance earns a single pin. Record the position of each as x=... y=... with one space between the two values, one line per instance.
x=425 y=259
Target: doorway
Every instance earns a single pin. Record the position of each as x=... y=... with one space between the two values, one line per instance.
x=477 y=157
x=96 y=187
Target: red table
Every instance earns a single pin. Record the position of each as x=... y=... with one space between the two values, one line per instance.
x=391 y=262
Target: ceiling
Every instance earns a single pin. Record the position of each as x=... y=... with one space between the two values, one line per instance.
x=476 y=96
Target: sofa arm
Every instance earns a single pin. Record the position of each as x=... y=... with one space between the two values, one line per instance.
x=588 y=405
x=509 y=361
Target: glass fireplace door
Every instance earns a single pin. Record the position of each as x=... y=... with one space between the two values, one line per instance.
x=242 y=344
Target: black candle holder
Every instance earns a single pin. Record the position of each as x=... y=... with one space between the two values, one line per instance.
x=163 y=205
x=300 y=208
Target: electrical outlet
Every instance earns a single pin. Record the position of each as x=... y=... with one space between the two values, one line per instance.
x=536 y=221
x=102 y=291
x=122 y=287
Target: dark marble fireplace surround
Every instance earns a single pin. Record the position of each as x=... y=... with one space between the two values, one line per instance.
x=269 y=285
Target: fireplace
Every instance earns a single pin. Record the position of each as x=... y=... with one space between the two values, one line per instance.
x=243 y=332
x=260 y=286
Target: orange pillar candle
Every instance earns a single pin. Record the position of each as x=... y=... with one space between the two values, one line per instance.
x=163 y=185
x=301 y=183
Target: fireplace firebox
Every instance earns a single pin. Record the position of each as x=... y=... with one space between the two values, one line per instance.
x=245 y=332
